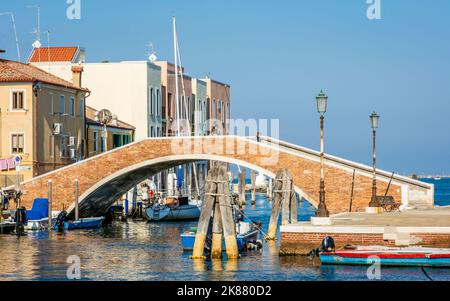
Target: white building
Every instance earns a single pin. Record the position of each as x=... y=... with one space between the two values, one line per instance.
x=130 y=88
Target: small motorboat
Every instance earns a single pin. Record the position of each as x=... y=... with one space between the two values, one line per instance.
x=6 y=227
x=247 y=233
x=173 y=209
x=62 y=223
x=388 y=256
x=37 y=217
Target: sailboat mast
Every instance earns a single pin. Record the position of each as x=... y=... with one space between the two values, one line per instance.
x=175 y=48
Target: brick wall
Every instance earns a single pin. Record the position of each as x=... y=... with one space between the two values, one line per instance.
x=306 y=172
x=302 y=243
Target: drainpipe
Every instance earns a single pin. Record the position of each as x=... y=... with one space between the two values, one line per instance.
x=36 y=88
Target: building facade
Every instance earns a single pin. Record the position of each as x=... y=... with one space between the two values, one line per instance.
x=101 y=138
x=130 y=88
x=42 y=120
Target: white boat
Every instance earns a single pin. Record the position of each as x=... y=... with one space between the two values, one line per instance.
x=174 y=209
x=35 y=225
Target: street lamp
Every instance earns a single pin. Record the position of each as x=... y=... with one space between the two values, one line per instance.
x=374 y=123
x=322 y=108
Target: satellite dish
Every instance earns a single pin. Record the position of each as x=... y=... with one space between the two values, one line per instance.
x=37 y=44
x=104 y=116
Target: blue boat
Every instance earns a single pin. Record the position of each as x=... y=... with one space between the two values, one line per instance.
x=246 y=234
x=62 y=223
x=83 y=223
x=389 y=256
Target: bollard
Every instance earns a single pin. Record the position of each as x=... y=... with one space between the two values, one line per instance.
x=50 y=224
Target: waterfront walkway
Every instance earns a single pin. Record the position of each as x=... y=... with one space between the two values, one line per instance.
x=427 y=227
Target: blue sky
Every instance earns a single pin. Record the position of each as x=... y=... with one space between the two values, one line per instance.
x=277 y=55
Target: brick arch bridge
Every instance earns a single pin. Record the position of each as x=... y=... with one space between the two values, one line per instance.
x=104 y=178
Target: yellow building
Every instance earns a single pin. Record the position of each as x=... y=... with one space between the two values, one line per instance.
x=42 y=120
x=117 y=132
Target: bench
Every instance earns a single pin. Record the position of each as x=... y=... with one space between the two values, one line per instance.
x=388 y=203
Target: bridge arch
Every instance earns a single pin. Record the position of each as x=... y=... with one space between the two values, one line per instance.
x=99 y=176
x=99 y=197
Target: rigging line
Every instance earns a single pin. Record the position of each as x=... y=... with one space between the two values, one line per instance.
x=426 y=274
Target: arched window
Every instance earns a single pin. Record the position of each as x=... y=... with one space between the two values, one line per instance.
x=151 y=102
x=158 y=103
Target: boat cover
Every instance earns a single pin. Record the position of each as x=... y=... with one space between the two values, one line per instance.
x=39 y=210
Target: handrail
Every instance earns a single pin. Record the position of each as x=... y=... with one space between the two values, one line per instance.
x=343 y=161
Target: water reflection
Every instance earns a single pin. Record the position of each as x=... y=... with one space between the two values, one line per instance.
x=150 y=251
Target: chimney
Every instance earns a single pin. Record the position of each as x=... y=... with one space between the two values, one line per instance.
x=76 y=75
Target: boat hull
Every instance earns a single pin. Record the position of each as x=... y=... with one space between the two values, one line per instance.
x=164 y=213
x=84 y=223
x=386 y=259
x=188 y=240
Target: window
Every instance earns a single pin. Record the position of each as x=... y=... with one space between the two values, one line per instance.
x=158 y=103
x=63 y=147
x=102 y=144
x=81 y=104
x=18 y=100
x=62 y=104
x=17 y=143
x=52 y=107
x=214 y=109
x=95 y=140
x=72 y=106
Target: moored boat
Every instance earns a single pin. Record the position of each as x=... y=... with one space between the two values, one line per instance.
x=174 y=208
x=62 y=223
x=247 y=234
x=389 y=256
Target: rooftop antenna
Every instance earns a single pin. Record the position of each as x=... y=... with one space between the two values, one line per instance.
x=37 y=44
x=152 y=53
x=15 y=32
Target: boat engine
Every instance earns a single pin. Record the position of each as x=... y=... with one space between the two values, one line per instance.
x=21 y=220
x=326 y=246
x=60 y=219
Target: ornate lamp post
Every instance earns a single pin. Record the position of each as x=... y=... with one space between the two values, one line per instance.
x=374 y=123
x=322 y=108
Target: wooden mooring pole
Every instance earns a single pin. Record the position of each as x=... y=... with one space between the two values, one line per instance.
x=217 y=199
x=253 y=182
x=205 y=215
x=226 y=210
x=242 y=186
x=50 y=192
x=284 y=201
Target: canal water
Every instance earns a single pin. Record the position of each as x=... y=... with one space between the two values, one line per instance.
x=152 y=251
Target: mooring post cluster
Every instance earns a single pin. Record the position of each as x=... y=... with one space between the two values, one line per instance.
x=284 y=201
x=217 y=205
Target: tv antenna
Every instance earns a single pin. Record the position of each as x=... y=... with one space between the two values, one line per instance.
x=37 y=31
x=15 y=32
